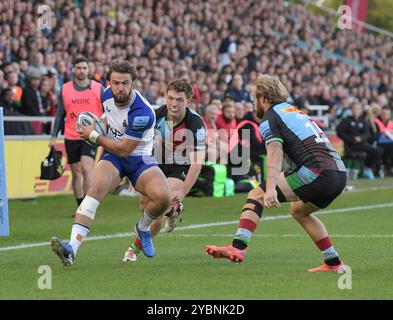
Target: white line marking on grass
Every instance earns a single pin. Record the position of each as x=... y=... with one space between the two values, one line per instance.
x=289 y=235
x=204 y=225
x=369 y=189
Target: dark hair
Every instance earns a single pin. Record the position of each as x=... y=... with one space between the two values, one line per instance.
x=228 y=96
x=228 y=105
x=182 y=85
x=78 y=59
x=122 y=66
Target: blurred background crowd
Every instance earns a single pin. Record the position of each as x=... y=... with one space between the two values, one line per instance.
x=220 y=46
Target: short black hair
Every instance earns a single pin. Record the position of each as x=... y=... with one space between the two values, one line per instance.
x=78 y=59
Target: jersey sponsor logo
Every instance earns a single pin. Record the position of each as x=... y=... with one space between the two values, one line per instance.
x=265 y=130
x=125 y=124
x=114 y=132
x=107 y=109
x=291 y=109
x=140 y=122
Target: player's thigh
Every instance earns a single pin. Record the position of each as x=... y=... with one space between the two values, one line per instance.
x=286 y=190
x=175 y=183
x=105 y=179
x=87 y=164
x=153 y=184
x=143 y=201
x=88 y=151
x=301 y=209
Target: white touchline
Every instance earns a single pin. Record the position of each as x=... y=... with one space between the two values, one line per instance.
x=270 y=235
x=204 y=225
x=371 y=189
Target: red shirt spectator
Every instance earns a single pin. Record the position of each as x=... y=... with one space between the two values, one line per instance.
x=227 y=126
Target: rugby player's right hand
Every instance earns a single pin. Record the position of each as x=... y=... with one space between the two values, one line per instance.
x=270 y=199
x=177 y=196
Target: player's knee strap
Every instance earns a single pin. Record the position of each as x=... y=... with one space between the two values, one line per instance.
x=88 y=207
x=253 y=205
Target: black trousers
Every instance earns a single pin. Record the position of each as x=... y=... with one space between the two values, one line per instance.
x=387 y=157
x=374 y=154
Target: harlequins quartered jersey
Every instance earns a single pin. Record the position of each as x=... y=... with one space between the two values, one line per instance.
x=304 y=143
x=176 y=142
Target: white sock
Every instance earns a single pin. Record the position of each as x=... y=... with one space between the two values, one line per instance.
x=145 y=222
x=78 y=233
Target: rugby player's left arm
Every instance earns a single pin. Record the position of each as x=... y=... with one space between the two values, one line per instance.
x=122 y=148
x=274 y=161
x=197 y=158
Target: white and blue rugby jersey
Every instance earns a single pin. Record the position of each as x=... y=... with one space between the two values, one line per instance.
x=135 y=121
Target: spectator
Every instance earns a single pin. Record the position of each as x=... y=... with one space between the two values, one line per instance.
x=239 y=112
x=250 y=138
x=205 y=100
x=385 y=140
x=227 y=132
x=37 y=64
x=373 y=111
x=296 y=97
x=213 y=142
x=31 y=98
x=218 y=103
x=226 y=123
x=10 y=108
x=355 y=133
x=227 y=49
x=12 y=83
x=327 y=65
x=236 y=90
x=61 y=75
x=3 y=83
x=47 y=101
x=7 y=101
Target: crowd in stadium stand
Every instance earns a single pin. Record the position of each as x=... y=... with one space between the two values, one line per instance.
x=220 y=46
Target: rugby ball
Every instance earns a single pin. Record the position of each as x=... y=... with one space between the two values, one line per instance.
x=87 y=119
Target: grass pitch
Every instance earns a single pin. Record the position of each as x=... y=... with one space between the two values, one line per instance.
x=360 y=224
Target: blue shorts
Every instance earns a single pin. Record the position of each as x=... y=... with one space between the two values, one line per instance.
x=132 y=166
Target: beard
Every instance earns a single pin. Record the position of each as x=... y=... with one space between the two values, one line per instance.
x=259 y=111
x=81 y=77
x=122 y=98
x=226 y=119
